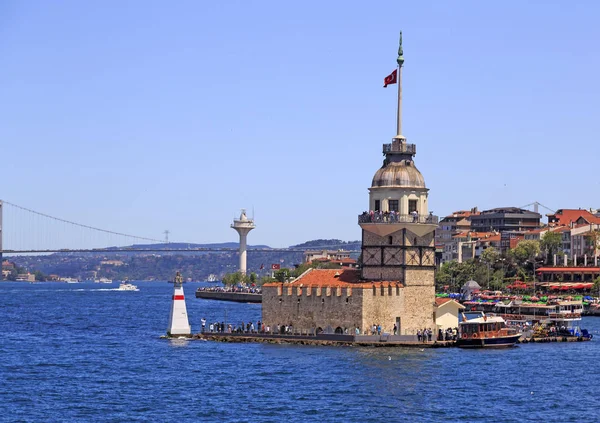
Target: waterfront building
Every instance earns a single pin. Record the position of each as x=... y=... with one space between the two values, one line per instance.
x=505 y=219
x=565 y=274
x=468 y=245
x=333 y=255
x=567 y=217
x=455 y=223
x=446 y=313
x=395 y=284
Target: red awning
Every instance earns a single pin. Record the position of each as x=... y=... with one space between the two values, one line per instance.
x=569 y=269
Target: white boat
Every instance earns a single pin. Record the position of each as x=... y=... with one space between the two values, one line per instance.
x=103 y=280
x=126 y=286
x=212 y=278
x=69 y=280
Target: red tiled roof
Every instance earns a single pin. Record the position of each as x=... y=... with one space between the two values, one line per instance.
x=463 y=213
x=479 y=235
x=537 y=231
x=566 y=216
x=441 y=301
x=334 y=278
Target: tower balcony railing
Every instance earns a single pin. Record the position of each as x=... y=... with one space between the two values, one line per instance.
x=397 y=147
x=380 y=217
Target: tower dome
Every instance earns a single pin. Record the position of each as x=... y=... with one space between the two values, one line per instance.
x=398 y=174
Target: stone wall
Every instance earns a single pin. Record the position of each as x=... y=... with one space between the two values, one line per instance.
x=382 y=305
x=308 y=308
x=419 y=298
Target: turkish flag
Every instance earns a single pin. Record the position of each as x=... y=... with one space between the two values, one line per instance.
x=392 y=78
x=275 y=266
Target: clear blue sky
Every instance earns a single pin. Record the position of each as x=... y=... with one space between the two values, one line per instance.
x=141 y=116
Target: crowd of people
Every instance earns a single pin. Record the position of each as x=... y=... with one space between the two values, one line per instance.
x=239 y=289
x=393 y=216
x=450 y=334
x=423 y=335
x=243 y=327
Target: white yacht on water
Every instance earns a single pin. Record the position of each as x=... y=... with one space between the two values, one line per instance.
x=103 y=280
x=126 y=286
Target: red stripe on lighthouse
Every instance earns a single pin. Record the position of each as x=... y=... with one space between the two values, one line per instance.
x=178 y=297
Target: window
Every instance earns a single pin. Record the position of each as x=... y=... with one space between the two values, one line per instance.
x=394 y=205
x=377 y=205
x=412 y=206
x=390 y=240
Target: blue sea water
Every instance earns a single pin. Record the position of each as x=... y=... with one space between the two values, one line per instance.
x=88 y=353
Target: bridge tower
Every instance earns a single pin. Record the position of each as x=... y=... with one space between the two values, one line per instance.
x=179 y=324
x=243 y=225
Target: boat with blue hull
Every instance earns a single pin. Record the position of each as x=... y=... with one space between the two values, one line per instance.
x=477 y=330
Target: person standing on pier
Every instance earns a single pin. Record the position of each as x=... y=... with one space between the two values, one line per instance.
x=203 y=321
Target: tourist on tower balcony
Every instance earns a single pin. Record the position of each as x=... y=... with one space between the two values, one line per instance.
x=419 y=335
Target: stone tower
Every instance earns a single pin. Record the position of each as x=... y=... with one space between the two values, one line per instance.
x=398 y=230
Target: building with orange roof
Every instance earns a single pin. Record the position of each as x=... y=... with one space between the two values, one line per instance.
x=567 y=217
x=334 y=255
x=456 y=222
x=395 y=285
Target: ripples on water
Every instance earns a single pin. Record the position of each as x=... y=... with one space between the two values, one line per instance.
x=93 y=354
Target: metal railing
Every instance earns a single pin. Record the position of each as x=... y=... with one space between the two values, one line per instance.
x=400 y=148
x=397 y=218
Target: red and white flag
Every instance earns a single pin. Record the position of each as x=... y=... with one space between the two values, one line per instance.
x=275 y=266
x=392 y=78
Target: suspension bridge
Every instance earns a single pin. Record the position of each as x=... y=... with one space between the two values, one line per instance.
x=26 y=231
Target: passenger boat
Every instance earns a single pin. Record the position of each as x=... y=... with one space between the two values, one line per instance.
x=477 y=330
x=126 y=286
x=103 y=280
x=562 y=320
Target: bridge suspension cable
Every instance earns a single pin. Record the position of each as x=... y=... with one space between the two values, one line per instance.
x=82 y=225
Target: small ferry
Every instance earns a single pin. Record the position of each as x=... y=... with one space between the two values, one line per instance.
x=126 y=286
x=103 y=280
x=477 y=330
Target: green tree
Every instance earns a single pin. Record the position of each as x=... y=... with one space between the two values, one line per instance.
x=550 y=244
x=594 y=240
x=596 y=287
x=253 y=278
x=282 y=274
x=490 y=256
x=265 y=279
x=39 y=276
x=231 y=279
x=525 y=250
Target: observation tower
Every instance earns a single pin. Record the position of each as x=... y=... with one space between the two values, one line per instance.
x=243 y=226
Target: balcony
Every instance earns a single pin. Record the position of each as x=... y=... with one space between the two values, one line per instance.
x=397 y=147
x=382 y=218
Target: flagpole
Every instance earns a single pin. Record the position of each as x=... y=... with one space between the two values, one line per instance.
x=400 y=61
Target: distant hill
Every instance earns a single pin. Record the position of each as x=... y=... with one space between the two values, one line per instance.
x=141 y=265
x=330 y=244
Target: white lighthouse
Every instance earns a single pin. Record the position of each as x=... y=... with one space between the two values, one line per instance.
x=179 y=324
x=243 y=225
